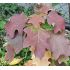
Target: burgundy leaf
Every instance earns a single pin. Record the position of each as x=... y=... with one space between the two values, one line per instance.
x=36 y=20
x=17 y=22
x=54 y=19
x=15 y=44
x=59 y=45
x=37 y=39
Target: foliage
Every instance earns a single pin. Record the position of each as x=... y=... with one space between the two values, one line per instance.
x=3 y=62
x=25 y=54
x=47 y=26
x=6 y=11
x=28 y=11
x=33 y=31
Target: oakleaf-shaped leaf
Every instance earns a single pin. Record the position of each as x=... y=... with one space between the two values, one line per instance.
x=59 y=45
x=37 y=39
x=17 y=22
x=56 y=20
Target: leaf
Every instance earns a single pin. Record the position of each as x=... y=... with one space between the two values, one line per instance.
x=36 y=20
x=17 y=45
x=17 y=22
x=15 y=61
x=56 y=20
x=59 y=45
x=2 y=23
x=42 y=62
x=2 y=52
x=38 y=39
x=15 y=38
x=25 y=53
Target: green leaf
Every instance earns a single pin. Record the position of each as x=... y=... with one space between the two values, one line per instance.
x=2 y=52
x=28 y=11
x=47 y=26
x=25 y=53
x=2 y=23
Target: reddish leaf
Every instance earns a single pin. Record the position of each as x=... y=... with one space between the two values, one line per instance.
x=36 y=20
x=17 y=43
x=10 y=53
x=59 y=45
x=17 y=22
x=54 y=19
x=37 y=39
